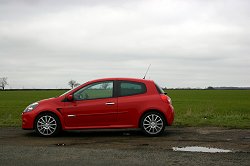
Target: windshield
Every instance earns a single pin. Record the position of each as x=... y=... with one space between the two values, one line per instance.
x=70 y=90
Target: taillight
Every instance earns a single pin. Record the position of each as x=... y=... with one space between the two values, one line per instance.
x=165 y=98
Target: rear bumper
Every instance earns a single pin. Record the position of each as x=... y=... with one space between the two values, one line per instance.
x=170 y=115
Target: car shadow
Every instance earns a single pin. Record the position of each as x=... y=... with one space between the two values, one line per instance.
x=90 y=133
x=99 y=133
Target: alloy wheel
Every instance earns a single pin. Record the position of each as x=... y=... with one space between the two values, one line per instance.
x=153 y=124
x=46 y=125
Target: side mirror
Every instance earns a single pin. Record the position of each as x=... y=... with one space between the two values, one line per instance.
x=70 y=97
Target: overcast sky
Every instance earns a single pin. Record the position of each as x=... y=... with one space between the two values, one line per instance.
x=190 y=43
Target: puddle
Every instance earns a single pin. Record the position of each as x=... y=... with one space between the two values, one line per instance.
x=201 y=149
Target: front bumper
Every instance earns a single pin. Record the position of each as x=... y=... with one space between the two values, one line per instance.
x=27 y=121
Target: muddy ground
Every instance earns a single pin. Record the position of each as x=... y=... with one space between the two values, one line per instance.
x=109 y=147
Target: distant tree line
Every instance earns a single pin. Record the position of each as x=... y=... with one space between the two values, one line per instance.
x=228 y=88
x=210 y=88
x=73 y=84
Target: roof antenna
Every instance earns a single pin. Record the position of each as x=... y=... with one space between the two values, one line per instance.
x=146 y=72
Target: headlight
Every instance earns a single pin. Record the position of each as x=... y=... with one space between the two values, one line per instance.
x=31 y=107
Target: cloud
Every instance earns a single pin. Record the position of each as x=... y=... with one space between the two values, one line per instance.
x=189 y=43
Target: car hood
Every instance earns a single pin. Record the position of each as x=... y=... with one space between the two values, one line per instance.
x=49 y=100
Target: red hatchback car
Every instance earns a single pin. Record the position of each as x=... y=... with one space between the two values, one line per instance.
x=101 y=104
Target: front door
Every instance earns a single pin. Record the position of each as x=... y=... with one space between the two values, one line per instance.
x=93 y=106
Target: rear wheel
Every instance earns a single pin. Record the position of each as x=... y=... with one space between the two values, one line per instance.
x=152 y=124
x=47 y=124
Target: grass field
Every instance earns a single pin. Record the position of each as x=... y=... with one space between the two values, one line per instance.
x=12 y=103
x=223 y=108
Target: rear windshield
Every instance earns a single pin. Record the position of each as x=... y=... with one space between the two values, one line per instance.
x=159 y=89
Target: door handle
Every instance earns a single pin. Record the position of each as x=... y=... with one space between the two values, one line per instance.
x=110 y=103
x=71 y=116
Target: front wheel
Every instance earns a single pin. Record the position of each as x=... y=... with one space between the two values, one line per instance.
x=47 y=124
x=152 y=124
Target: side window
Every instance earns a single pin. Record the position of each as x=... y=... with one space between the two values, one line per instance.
x=95 y=91
x=131 y=88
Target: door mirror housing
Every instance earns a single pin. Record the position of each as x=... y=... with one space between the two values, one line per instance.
x=70 y=98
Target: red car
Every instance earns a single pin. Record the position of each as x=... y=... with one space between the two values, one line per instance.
x=100 y=104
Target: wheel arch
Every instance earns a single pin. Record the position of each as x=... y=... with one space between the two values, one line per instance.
x=48 y=112
x=152 y=110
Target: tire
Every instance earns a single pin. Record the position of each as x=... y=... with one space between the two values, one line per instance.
x=152 y=124
x=47 y=125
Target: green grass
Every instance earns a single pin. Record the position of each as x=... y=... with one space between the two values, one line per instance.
x=222 y=108
x=12 y=103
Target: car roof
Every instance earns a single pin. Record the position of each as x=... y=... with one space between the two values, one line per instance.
x=109 y=79
x=122 y=79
